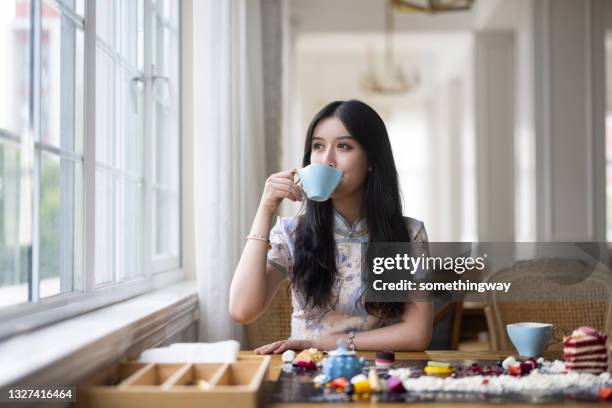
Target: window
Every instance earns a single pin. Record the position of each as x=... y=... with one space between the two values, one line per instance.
x=166 y=150
x=89 y=205
x=119 y=140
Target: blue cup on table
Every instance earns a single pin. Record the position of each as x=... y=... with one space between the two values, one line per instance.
x=529 y=338
x=319 y=181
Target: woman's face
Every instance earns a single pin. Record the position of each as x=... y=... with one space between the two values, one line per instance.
x=333 y=145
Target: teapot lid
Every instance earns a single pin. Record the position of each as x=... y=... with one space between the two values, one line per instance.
x=341 y=350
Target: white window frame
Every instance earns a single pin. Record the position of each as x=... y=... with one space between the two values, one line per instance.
x=18 y=318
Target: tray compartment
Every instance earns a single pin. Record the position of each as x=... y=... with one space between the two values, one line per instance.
x=238 y=374
x=200 y=375
x=151 y=375
x=177 y=385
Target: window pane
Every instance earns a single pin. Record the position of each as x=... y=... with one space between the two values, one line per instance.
x=78 y=6
x=130 y=232
x=169 y=11
x=119 y=148
x=166 y=169
x=166 y=52
x=166 y=172
x=61 y=225
x=105 y=129
x=166 y=224
x=119 y=229
x=131 y=31
x=105 y=21
x=131 y=122
x=15 y=186
x=105 y=189
x=15 y=229
x=14 y=69
x=61 y=80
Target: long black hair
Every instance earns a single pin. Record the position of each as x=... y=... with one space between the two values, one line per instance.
x=314 y=270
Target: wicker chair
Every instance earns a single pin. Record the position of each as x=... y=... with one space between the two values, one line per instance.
x=570 y=302
x=275 y=323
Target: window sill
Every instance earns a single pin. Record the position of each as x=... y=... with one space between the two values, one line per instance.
x=68 y=351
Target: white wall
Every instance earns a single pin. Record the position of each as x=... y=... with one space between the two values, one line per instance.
x=559 y=162
x=563 y=55
x=494 y=103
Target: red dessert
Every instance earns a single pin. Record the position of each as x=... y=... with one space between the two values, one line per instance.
x=585 y=351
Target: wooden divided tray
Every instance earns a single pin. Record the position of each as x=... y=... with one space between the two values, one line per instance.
x=151 y=385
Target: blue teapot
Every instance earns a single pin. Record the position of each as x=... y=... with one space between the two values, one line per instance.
x=342 y=363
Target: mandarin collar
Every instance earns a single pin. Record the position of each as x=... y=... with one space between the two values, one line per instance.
x=343 y=227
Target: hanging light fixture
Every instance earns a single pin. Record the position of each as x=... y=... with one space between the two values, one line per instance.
x=432 y=6
x=393 y=80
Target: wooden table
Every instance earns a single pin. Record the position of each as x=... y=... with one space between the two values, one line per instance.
x=276 y=364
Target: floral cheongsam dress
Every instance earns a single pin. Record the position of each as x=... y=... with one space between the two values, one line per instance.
x=346 y=312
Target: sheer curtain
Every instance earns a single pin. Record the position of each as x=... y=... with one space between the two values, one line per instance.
x=229 y=156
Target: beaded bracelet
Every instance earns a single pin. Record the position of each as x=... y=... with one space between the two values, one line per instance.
x=259 y=238
x=351 y=339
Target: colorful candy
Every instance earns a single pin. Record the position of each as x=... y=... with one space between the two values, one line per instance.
x=288 y=356
x=305 y=360
x=362 y=387
x=358 y=378
x=395 y=384
x=349 y=389
x=339 y=383
x=605 y=393
x=384 y=359
x=317 y=355
x=374 y=380
x=508 y=362
x=515 y=369
x=438 y=364
x=438 y=370
x=304 y=355
x=306 y=365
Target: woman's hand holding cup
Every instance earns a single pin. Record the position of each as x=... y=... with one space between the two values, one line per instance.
x=279 y=186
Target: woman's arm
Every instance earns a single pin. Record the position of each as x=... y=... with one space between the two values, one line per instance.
x=413 y=333
x=255 y=282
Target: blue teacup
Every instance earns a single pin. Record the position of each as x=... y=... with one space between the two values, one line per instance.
x=530 y=339
x=319 y=181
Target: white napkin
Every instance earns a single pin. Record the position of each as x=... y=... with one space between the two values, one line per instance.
x=220 y=352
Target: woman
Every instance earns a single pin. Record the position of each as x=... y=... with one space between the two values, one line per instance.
x=319 y=250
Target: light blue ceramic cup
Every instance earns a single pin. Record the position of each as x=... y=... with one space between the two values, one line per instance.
x=319 y=181
x=530 y=339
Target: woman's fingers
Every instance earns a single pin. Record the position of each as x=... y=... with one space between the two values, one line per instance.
x=293 y=345
x=290 y=189
x=257 y=350
x=269 y=348
x=294 y=186
x=279 y=186
x=287 y=174
x=288 y=345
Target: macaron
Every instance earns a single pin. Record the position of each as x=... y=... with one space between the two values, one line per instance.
x=384 y=358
